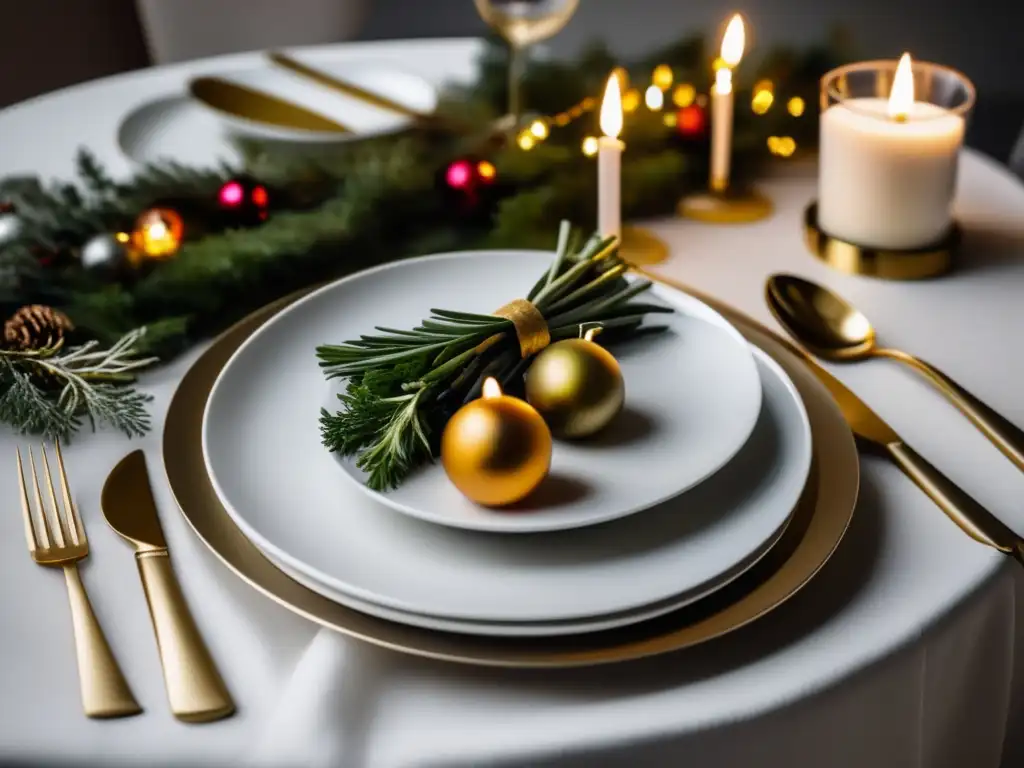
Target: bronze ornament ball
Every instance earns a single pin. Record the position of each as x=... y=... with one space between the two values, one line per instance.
x=577 y=386
x=496 y=449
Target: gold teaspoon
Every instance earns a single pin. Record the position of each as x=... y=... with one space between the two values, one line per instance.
x=831 y=328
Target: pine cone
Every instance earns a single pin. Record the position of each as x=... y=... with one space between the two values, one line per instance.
x=36 y=327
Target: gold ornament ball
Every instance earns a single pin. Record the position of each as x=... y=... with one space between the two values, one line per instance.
x=577 y=386
x=158 y=233
x=496 y=450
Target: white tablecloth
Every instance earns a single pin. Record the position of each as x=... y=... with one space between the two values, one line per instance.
x=900 y=653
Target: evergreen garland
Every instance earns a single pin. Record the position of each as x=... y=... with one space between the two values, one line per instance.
x=343 y=208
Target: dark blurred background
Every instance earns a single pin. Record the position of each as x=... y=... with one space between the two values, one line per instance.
x=48 y=44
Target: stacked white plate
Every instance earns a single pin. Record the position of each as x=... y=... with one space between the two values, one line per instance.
x=687 y=489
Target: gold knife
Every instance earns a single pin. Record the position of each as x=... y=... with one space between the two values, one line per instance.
x=249 y=104
x=195 y=690
x=874 y=434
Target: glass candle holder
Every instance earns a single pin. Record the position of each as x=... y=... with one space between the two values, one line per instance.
x=891 y=134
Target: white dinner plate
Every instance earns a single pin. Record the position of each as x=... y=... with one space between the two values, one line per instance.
x=360 y=117
x=769 y=465
x=692 y=394
x=262 y=448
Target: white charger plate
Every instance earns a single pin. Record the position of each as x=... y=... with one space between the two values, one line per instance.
x=285 y=492
x=769 y=467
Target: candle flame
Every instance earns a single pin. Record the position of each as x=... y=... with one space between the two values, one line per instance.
x=723 y=81
x=491 y=388
x=611 y=109
x=901 y=97
x=733 y=41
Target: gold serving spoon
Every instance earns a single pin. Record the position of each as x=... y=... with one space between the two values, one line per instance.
x=831 y=328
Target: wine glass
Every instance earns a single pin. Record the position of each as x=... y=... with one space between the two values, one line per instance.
x=523 y=23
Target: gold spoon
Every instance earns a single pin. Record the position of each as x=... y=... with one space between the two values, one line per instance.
x=833 y=329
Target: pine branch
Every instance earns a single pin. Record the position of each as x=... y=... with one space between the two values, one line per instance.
x=28 y=409
x=52 y=391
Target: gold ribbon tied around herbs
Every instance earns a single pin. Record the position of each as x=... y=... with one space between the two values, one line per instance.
x=530 y=326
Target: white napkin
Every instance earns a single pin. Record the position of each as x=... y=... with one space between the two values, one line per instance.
x=323 y=714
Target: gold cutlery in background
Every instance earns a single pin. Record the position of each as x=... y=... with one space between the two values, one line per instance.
x=249 y=104
x=873 y=433
x=342 y=86
x=195 y=690
x=832 y=328
x=56 y=537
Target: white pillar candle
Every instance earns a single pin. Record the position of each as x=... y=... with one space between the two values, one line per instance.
x=609 y=162
x=721 y=129
x=888 y=168
x=733 y=43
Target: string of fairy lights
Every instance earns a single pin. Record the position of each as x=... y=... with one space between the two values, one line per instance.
x=682 y=96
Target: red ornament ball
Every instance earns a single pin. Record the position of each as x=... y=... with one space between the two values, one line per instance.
x=692 y=121
x=232 y=194
x=244 y=201
x=460 y=174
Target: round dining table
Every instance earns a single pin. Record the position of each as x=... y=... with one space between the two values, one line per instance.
x=901 y=652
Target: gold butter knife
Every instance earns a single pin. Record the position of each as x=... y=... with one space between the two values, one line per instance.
x=874 y=434
x=195 y=690
x=249 y=104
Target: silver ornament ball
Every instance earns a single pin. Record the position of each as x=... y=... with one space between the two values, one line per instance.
x=104 y=252
x=11 y=227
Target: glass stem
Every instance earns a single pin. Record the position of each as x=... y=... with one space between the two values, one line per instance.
x=515 y=63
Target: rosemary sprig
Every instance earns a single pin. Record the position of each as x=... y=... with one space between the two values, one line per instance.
x=403 y=384
x=52 y=391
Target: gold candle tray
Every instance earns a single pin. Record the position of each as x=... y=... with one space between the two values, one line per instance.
x=910 y=264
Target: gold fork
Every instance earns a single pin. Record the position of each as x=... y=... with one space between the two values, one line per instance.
x=105 y=693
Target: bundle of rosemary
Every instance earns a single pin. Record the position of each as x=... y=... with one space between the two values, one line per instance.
x=403 y=385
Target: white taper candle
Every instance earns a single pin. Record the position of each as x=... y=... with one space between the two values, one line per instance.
x=733 y=43
x=721 y=129
x=609 y=162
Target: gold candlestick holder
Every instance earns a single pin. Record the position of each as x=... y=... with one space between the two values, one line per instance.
x=642 y=247
x=726 y=205
x=888 y=264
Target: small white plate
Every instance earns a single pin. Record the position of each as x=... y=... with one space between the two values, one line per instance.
x=361 y=118
x=692 y=398
x=262 y=448
x=775 y=450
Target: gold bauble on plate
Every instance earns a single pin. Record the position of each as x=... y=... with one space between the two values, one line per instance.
x=577 y=386
x=496 y=449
